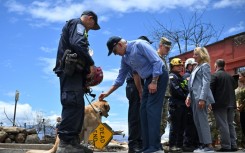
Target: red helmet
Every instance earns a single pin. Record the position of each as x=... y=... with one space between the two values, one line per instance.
x=96 y=78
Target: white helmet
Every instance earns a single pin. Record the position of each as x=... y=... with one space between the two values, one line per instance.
x=190 y=61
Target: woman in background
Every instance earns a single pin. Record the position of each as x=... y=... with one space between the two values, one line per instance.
x=240 y=97
x=200 y=98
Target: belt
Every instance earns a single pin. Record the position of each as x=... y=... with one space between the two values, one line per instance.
x=130 y=81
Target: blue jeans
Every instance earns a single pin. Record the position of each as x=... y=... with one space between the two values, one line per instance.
x=150 y=113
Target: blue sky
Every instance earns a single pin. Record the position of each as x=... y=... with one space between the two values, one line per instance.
x=30 y=32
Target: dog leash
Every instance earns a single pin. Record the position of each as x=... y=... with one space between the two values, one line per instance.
x=89 y=92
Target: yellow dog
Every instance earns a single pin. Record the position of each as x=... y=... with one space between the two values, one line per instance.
x=92 y=118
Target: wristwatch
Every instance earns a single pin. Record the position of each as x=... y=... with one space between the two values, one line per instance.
x=154 y=81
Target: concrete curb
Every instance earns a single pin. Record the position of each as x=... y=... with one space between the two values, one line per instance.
x=23 y=148
x=8 y=150
x=26 y=146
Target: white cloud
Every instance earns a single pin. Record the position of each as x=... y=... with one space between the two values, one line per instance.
x=237 y=28
x=48 y=64
x=103 y=18
x=24 y=113
x=125 y=6
x=120 y=97
x=57 y=11
x=47 y=67
x=10 y=94
x=229 y=3
x=118 y=125
x=52 y=13
x=14 y=6
x=110 y=75
x=48 y=50
x=38 y=24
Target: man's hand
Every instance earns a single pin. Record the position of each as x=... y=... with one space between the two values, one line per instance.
x=152 y=87
x=188 y=102
x=210 y=108
x=137 y=81
x=140 y=94
x=102 y=96
x=201 y=104
x=240 y=107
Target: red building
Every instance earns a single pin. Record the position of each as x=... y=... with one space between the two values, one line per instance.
x=231 y=49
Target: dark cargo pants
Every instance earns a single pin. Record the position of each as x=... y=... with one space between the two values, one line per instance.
x=72 y=115
x=134 y=128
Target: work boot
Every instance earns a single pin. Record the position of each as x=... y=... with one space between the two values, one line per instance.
x=86 y=149
x=70 y=147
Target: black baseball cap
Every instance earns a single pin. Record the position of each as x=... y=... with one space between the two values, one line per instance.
x=95 y=17
x=145 y=38
x=111 y=43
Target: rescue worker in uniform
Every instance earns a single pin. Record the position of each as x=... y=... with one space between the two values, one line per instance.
x=73 y=65
x=163 y=50
x=240 y=115
x=189 y=66
x=177 y=107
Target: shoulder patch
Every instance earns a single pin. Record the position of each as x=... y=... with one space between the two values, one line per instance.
x=171 y=77
x=80 y=29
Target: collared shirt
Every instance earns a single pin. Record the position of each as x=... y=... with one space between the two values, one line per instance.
x=167 y=93
x=164 y=61
x=142 y=58
x=74 y=37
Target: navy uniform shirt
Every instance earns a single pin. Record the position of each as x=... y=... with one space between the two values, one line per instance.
x=187 y=74
x=73 y=37
x=178 y=89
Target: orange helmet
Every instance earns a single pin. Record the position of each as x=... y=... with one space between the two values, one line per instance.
x=96 y=78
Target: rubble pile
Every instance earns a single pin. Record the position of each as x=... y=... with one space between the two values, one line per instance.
x=18 y=135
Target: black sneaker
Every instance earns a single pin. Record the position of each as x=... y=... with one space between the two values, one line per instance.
x=234 y=149
x=188 y=148
x=223 y=150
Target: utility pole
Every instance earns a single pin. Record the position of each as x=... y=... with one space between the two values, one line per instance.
x=44 y=130
x=17 y=94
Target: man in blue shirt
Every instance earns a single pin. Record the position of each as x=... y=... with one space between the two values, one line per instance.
x=142 y=58
x=134 y=98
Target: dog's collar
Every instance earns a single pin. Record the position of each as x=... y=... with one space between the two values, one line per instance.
x=98 y=111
